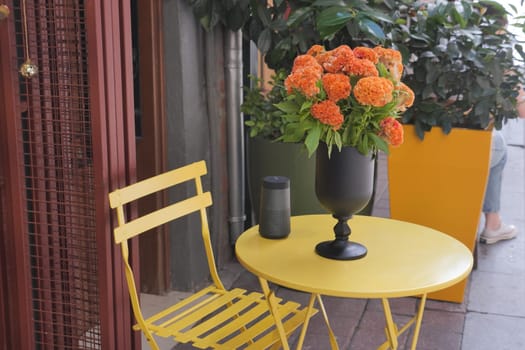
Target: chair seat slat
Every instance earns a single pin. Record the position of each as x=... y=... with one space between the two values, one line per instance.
x=181 y=305
x=271 y=338
x=285 y=311
x=241 y=308
x=254 y=330
x=199 y=313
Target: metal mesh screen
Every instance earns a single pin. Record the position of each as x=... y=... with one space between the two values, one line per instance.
x=56 y=134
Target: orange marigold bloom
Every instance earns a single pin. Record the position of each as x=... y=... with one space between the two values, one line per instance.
x=327 y=112
x=315 y=50
x=336 y=59
x=366 y=53
x=388 y=55
x=392 y=60
x=304 y=80
x=391 y=131
x=361 y=68
x=323 y=57
x=302 y=62
x=374 y=91
x=337 y=86
x=406 y=96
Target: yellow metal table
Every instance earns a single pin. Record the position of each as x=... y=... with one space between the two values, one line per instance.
x=403 y=260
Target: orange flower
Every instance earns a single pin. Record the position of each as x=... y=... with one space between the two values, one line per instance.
x=337 y=86
x=366 y=53
x=304 y=80
x=406 y=96
x=327 y=112
x=374 y=91
x=315 y=50
x=307 y=62
x=386 y=54
x=392 y=60
x=319 y=106
x=361 y=68
x=391 y=131
x=335 y=60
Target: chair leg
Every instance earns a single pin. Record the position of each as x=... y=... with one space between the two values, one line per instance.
x=270 y=297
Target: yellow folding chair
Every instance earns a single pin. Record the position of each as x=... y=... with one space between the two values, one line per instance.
x=212 y=317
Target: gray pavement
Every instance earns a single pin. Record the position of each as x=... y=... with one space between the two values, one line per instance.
x=492 y=315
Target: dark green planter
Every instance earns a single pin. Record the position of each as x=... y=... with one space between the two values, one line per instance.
x=267 y=158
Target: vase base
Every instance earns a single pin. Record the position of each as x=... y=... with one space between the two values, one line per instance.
x=341 y=250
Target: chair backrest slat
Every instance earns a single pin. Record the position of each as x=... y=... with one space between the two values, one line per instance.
x=157 y=218
x=157 y=183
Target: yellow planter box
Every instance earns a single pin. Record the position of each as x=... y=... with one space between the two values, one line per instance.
x=439 y=182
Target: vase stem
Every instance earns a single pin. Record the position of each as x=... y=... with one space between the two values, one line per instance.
x=341 y=229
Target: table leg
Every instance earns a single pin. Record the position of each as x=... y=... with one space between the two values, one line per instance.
x=391 y=327
x=270 y=297
x=393 y=333
x=419 y=318
x=333 y=340
x=306 y=321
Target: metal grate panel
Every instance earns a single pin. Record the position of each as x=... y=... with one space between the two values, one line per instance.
x=59 y=176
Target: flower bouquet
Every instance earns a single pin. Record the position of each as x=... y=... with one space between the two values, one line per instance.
x=345 y=97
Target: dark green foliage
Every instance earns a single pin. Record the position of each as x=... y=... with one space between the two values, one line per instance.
x=459 y=62
x=458 y=54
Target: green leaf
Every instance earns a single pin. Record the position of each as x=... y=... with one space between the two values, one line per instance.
x=312 y=140
x=298 y=16
x=264 y=41
x=329 y=3
x=380 y=143
x=338 y=140
x=371 y=27
x=264 y=14
x=331 y=20
x=459 y=18
x=287 y=107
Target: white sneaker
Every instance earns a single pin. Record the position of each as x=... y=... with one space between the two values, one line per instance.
x=504 y=232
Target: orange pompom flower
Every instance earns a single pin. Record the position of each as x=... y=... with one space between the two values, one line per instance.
x=366 y=53
x=327 y=112
x=392 y=60
x=337 y=86
x=315 y=50
x=304 y=80
x=336 y=59
x=361 y=68
x=406 y=96
x=374 y=91
x=391 y=131
x=308 y=62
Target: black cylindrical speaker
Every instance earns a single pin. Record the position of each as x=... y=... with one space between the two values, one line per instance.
x=274 y=209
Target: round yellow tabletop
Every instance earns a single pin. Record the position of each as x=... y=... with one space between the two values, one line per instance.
x=403 y=259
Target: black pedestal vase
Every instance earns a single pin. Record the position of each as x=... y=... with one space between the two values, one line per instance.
x=343 y=185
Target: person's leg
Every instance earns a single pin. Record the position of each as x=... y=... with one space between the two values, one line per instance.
x=494 y=229
x=491 y=203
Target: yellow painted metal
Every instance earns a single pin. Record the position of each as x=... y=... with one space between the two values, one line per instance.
x=212 y=317
x=404 y=259
x=440 y=182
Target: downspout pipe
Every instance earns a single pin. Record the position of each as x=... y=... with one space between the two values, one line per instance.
x=235 y=131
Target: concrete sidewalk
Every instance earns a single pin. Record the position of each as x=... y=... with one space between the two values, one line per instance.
x=491 y=317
